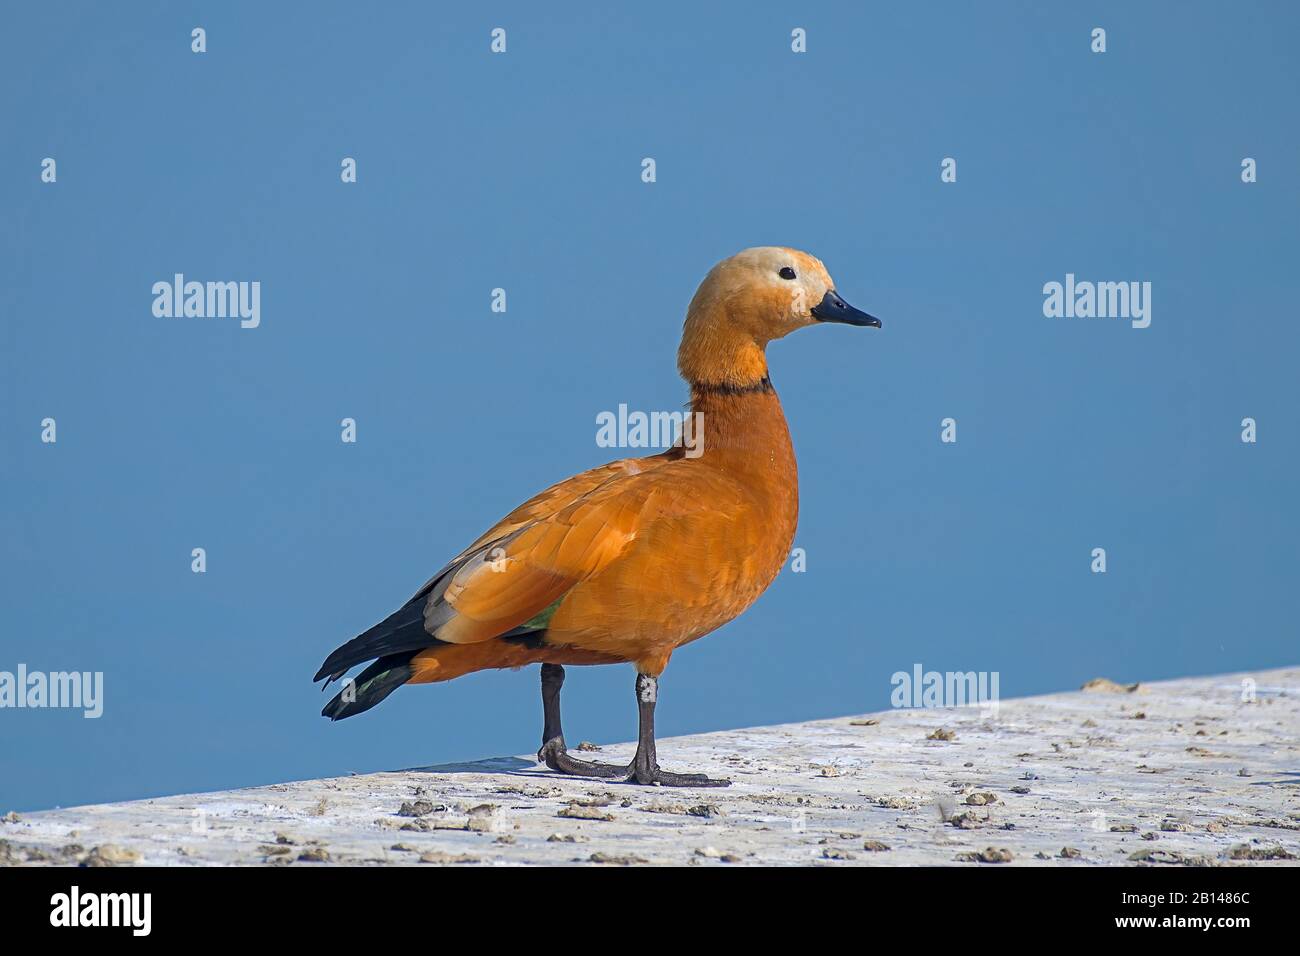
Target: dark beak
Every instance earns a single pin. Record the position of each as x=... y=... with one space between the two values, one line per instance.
x=834 y=309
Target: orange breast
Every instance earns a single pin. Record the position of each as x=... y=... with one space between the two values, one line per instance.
x=715 y=534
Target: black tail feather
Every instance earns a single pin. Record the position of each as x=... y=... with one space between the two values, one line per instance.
x=371 y=686
x=401 y=631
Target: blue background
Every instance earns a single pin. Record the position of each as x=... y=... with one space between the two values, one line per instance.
x=523 y=171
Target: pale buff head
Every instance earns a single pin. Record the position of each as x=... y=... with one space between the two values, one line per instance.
x=746 y=301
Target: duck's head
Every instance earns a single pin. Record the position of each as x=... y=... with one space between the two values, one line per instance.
x=745 y=302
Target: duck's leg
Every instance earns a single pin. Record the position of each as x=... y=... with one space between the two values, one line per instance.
x=554 y=753
x=643 y=769
x=552 y=681
x=645 y=765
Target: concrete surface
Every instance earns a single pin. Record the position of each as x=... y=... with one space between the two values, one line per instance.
x=1184 y=772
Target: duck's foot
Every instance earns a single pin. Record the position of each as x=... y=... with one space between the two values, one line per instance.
x=555 y=756
x=663 y=778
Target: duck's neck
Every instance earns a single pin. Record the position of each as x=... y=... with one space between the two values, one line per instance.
x=716 y=355
x=742 y=434
x=741 y=427
x=733 y=403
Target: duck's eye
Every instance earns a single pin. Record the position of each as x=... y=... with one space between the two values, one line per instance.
x=786 y=273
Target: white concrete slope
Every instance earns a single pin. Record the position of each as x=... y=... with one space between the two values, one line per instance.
x=1199 y=771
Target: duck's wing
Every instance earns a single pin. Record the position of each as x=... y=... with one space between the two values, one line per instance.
x=543 y=505
x=515 y=570
x=514 y=581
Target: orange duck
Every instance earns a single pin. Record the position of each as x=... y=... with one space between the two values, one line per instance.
x=629 y=561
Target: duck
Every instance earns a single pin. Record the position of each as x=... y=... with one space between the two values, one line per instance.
x=629 y=561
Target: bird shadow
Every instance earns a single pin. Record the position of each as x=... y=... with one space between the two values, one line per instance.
x=1289 y=778
x=503 y=765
